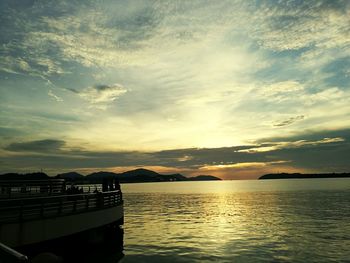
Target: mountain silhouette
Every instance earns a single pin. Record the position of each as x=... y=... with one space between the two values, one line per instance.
x=71 y=176
x=303 y=176
x=132 y=176
x=137 y=175
x=141 y=172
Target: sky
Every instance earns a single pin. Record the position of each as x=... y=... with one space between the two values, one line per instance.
x=234 y=89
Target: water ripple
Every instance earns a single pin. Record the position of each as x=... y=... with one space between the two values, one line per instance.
x=260 y=225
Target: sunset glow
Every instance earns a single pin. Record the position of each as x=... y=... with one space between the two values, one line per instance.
x=230 y=88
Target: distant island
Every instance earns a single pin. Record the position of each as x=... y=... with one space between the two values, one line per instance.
x=303 y=176
x=133 y=176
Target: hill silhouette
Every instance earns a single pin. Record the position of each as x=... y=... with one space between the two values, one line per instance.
x=303 y=176
x=203 y=178
x=133 y=176
x=137 y=175
x=71 y=176
x=28 y=176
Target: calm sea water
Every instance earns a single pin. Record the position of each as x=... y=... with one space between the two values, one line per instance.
x=238 y=221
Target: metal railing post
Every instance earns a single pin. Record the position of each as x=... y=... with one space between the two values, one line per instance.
x=87 y=202
x=42 y=209
x=60 y=206
x=21 y=212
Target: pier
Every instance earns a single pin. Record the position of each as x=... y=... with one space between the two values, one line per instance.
x=37 y=211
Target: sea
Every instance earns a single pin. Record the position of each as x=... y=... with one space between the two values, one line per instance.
x=296 y=220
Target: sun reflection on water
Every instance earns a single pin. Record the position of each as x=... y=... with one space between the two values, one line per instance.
x=215 y=224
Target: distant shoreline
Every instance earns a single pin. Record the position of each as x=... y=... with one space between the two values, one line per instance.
x=303 y=176
x=133 y=176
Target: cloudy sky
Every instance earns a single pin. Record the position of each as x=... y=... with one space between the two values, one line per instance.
x=229 y=88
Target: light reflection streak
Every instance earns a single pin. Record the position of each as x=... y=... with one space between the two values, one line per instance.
x=225 y=221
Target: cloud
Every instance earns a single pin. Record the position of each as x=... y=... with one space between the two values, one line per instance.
x=101 y=94
x=272 y=146
x=289 y=121
x=48 y=145
x=219 y=70
x=243 y=165
x=53 y=95
x=311 y=23
x=325 y=95
x=324 y=154
x=284 y=87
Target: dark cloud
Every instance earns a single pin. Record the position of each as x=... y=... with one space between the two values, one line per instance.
x=309 y=135
x=104 y=87
x=328 y=157
x=208 y=156
x=36 y=146
x=332 y=156
x=289 y=121
x=321 y=153
x=101 y=94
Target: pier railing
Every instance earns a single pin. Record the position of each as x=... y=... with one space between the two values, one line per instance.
x=32 y=188
x=33 y=208
x=21 y=188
